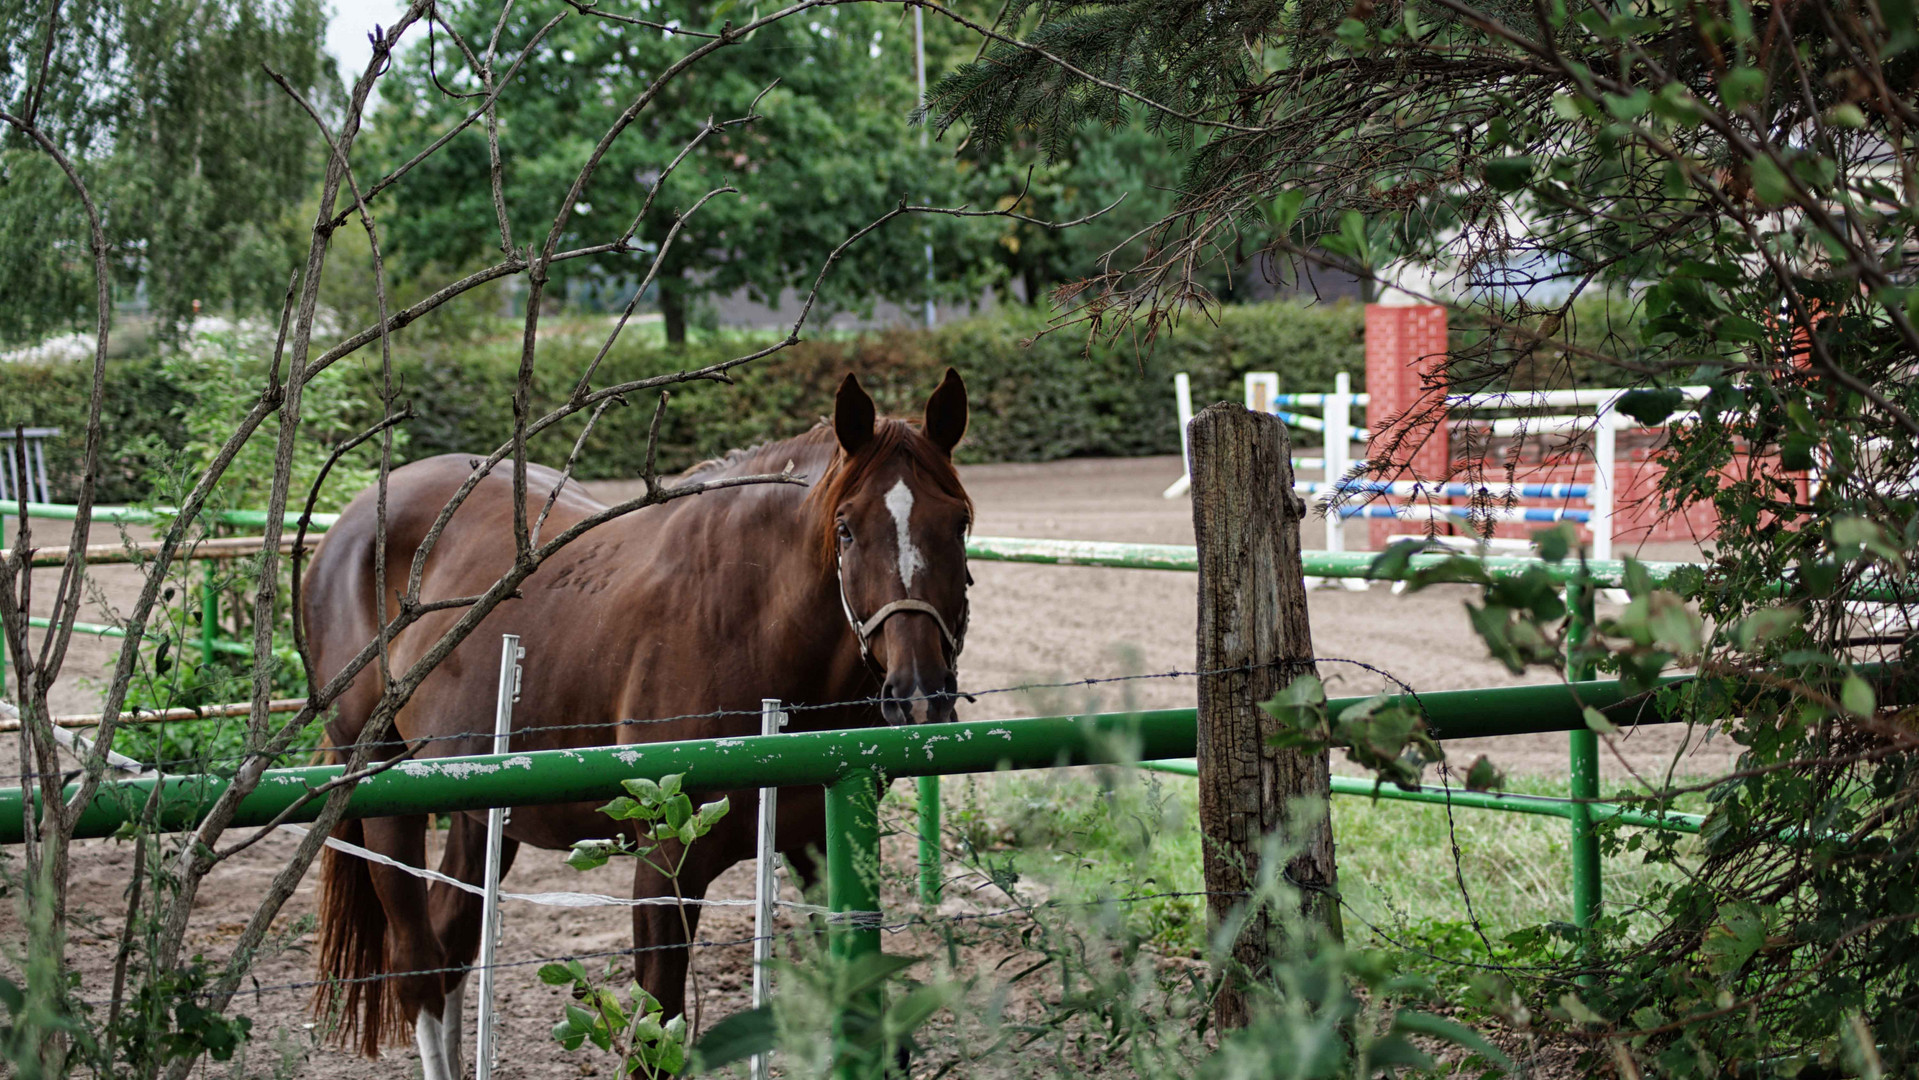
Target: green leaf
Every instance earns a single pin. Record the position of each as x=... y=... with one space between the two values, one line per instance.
x=623 y=809
x=871 y=971
x=1629 y=107
x=1731 y=941
x=1510 y=173
x=710 y=813
x=1765 y=625
x=555 y=975
x=678 y=810
x=1856 y=695
x=589 y=855
x=736 y=1038
x=1285 y=209
x=1597 y=721
x=1578 y=1010
x=1769 y=182
x=1736 y=327
x=905 y=1016
x=1556 y=543
x=1650 y=407
x=670 y=785
x=1392 y=564
x=1483 y=775
x=1351 y=241
x=643 y=789
x=1741 y=87
x=1438 y=1027
x=1456 y=569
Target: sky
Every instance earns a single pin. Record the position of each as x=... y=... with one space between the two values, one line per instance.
x=347 y=30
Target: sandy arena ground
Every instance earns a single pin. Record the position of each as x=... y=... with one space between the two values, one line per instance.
x=1030 y=624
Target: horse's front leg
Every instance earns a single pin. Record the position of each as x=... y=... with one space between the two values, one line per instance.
x=662 y=933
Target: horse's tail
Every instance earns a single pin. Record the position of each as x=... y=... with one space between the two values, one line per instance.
x=352 y=951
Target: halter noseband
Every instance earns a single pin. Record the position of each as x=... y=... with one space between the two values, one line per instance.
x=863 y=631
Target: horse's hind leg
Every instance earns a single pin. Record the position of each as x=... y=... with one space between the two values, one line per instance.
x=413 y=950
x=456 y=919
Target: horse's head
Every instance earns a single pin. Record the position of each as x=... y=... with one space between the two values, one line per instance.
x=895 y=520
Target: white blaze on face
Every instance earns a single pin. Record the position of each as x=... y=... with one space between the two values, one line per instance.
x=900 y=502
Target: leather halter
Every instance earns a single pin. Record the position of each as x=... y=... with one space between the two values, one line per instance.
x=863 y=630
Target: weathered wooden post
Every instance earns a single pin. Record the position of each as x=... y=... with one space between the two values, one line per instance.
x=1254 y=639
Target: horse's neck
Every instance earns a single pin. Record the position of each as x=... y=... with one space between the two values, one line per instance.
x=802 y=621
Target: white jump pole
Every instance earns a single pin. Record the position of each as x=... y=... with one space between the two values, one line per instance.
x=766 y=885
x=1338 y=438
x=1183 y=392
x=485 y=1045
x=1605 y=473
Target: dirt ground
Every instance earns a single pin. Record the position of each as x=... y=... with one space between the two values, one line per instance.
x=1030 y=624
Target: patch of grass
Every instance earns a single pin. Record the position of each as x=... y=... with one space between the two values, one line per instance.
x=1080 y=833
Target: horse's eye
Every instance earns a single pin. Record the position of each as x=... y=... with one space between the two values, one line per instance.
x=845 y=534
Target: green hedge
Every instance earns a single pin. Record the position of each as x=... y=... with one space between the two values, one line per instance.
x=1035 y=397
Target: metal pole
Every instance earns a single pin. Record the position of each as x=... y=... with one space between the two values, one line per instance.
x=852 y=894
x=1583 y=769
x=1338 y=437
x=1605 y=474
x=209 y=615
x=40 y=457
x=1183 y=396
x=766 y=886
x=919 y=63
x=484 y=1048
x=932 y=872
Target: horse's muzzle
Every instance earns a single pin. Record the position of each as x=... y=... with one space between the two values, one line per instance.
x=904 y=700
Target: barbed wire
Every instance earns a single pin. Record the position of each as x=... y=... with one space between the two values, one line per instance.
x=895 y=927
x=719 y=714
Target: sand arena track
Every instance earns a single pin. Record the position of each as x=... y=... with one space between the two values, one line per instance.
x=1030 y=624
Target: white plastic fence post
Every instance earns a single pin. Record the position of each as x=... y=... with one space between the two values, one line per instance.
x=485 y=1047
x=766 y=886
x=1605 y=472
x=1183 y=393
x=1338 y=438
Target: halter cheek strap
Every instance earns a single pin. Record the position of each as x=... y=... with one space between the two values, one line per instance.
x=863 y=631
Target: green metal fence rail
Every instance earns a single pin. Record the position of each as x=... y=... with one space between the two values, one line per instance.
x=819 y=757
x=848 y=763
x=1326 y=564
x=1462 y=799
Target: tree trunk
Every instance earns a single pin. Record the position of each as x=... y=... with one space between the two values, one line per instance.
x=673 y=310
x=1254 y=637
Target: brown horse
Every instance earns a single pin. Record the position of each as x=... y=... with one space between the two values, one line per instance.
x=848 y=592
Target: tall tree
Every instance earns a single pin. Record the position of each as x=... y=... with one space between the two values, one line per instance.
x=167 y=109
x=829 y=150
x=1747 y=175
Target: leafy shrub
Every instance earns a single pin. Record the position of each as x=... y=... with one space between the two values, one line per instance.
x=1036 y=396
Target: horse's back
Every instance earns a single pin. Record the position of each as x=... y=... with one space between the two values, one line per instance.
x=340 y=604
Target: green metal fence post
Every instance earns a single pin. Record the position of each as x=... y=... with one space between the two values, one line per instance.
x=852 y=895
x=1583 y=770
x=209 y=616
x=932 y=873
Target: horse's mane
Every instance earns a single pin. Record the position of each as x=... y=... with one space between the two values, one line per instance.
x=839 y=474
x=745 y=459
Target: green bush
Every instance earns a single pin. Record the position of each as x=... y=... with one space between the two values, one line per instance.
x=1035 y=396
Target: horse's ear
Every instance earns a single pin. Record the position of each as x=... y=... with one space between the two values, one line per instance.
x=853 y=415
x=946 y=412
